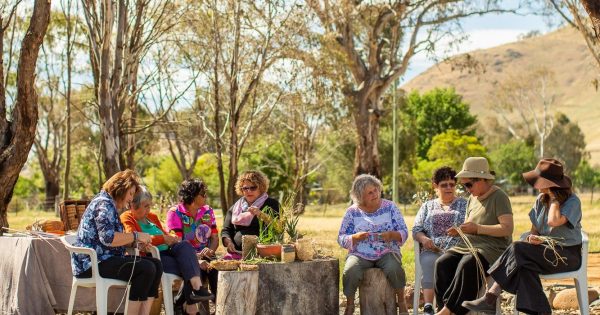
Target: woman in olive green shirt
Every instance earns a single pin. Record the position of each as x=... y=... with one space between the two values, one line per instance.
x=488 y=226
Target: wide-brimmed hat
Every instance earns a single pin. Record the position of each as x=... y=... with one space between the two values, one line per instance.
x=548 y=173
x=475 y=167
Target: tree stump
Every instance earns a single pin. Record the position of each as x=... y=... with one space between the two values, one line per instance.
x=376 y=295
x=309 y=287
x=237 y=292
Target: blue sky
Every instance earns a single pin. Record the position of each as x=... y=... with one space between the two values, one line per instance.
x=485 y=32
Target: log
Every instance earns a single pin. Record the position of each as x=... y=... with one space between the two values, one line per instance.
x=237 y=292
x=376 y=295
x=308 y=287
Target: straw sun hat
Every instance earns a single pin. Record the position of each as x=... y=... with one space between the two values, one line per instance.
x=475 y=167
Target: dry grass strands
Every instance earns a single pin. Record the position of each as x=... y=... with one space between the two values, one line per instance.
x=225 y=265
x=473 y=251
x=550 y=245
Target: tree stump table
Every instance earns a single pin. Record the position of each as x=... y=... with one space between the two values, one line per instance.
x=376 y=295
x=310 y=287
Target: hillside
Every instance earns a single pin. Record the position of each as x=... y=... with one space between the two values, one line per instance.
x=563 y=52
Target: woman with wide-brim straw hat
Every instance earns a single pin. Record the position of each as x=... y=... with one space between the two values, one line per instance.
x=556 y=214
x=488 y=227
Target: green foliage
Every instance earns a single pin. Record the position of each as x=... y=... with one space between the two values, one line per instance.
x=272 y=157
x=271 y=232
x=566 y=142
x=512 y=159
x=164 y=177
x=436 y=112
x=586 y=176
x=447 y=149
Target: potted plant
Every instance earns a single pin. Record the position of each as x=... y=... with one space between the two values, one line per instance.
x=270 y=236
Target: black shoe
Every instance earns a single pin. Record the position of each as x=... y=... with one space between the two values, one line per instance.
x=178 y=309
x=428 y=310
x=482 y=304
x=200 y=295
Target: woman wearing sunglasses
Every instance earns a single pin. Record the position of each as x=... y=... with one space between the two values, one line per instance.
x=556 y=213
x=243 y=217
x=488 y=227
x=433 y=220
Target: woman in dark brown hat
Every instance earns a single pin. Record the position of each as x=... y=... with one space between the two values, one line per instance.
x=555 y=214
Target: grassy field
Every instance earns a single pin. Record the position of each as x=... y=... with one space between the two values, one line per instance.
x=322 y=223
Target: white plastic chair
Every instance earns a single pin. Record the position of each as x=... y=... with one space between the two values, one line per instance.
x=580 y=277
x=419 y=275
x=96 y=281
x=166 y=280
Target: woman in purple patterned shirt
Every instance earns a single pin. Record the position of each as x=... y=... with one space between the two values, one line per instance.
x=372 y=230
x=434 y=218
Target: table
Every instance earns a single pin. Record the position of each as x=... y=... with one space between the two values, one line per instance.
x=36 y=278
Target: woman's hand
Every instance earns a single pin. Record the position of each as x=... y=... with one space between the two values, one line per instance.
x=469 y=227
x=254 y=210
x=427 y=243
x=204 y=264
x=360 y=236
x=452 y=232
x=144 y=238
x=206 y=253
x=170 y=240
x=230 y=246
x=533 y=239
x=389 y=236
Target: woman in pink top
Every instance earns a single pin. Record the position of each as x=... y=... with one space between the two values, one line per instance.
x=194 y=221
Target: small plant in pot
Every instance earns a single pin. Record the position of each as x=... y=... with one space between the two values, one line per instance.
x=270 y=237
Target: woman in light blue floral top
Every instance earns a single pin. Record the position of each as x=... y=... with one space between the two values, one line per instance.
x=101 y=230
x=372 y=230
x=433 y=220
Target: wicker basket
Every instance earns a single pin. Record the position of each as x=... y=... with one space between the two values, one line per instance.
x=248 y=267
x=46 y=226
x=71 y=212
x=225 y=265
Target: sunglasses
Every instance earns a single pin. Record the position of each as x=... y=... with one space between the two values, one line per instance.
x=469 y=184
x=447 y=185
x=249 y=188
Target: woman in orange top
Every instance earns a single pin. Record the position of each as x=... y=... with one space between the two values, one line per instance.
x=177 y=257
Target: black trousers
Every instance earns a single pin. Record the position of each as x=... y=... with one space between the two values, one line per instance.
x=145 y=274
x=518 y=268
x=457 y=279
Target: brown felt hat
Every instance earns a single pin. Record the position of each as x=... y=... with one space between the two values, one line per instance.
x=475 y=167
x=548 y=173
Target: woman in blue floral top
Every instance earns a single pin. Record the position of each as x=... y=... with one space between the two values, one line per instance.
x=101 y=230
x=372 y=230
x=433 y=220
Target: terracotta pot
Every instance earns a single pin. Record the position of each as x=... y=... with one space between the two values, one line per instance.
x=269 y=251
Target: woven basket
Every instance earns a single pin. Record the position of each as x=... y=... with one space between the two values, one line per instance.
x=225 y=265
x=248 y=267
x=71 y=212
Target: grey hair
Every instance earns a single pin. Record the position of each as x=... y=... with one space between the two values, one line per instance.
x=142 y=195
x=361 y=182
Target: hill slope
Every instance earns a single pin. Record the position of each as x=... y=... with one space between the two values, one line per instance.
x=563 y=52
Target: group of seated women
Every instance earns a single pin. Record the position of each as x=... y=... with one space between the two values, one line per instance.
x=464 y=241
x=119 y=217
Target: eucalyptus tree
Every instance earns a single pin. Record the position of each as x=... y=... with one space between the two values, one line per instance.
x=244 y=39
x=371 y=44
x=18 y=119
x=116 y=56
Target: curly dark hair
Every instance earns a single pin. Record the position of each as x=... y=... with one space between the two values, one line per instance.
x=190 y=189
x=443 y=173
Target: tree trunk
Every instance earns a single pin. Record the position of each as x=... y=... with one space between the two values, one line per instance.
x=19 y=134
x=377 y=297
x=310 y=287
x=233 y=165
x=593 y=9
x=52 y=189
x=366 y=118
x=237 y=292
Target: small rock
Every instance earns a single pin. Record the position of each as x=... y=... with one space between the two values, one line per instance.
x=567 y=299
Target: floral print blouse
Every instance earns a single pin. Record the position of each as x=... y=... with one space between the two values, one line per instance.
x=386 y=218
x=434 y=221
x=97 y=230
